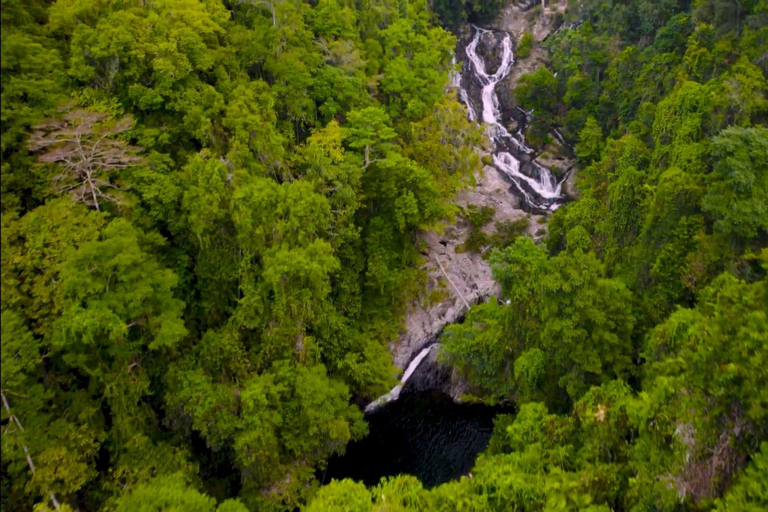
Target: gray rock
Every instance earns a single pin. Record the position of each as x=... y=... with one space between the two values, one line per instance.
x=435 y=375
x=456 y=277
x=458 y=280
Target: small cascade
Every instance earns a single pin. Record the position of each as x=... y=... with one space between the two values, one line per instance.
x=543 y=186
x=456 y=83
x=559 y=137
x=536 y=184
x=394 y=394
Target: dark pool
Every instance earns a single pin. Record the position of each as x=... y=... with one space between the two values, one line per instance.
x=423 y=434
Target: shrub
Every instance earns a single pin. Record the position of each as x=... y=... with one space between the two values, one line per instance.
x=524 y=47
x=477 y=217
x=508 y=231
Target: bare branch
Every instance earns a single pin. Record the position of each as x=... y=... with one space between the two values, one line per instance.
x=456 y=288
x=12 y=417
x=86 y=146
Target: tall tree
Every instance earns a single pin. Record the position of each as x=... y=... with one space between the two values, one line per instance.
x=86 y=146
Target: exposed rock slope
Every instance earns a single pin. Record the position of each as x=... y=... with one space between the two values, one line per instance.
x=458 y=279
x=464 y=276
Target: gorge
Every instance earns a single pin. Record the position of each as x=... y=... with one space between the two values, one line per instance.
x=429 y=425
x=477 y=255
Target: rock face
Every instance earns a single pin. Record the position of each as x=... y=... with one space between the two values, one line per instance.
x=529 y=16
x=455 y=277
x=458 y=280
x=431 y=374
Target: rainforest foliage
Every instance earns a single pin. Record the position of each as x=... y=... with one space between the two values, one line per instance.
x=634 y=340
x=208 y=219
x=209 y=212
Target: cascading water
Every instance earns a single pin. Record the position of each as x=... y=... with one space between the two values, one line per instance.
x=426 y=434
x=558 y=136
x=537 y=185
x=394 y=394
x=456 y=82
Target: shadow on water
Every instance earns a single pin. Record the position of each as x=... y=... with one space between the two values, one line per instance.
x=423 y=434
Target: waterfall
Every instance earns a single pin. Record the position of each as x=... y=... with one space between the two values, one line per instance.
x=538 y=187
x=560 y=138
x=456 y=83
x=545 y=186
x=511 y=156
x=394 y=394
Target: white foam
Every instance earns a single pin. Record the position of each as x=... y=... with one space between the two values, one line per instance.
x=394 y=393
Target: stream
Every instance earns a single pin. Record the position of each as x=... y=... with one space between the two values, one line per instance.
x=538 y=188
x=424 y=433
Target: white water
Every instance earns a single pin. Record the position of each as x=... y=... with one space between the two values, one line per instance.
x=545 y=188
x=560 y=138
x=456 y=82
x=510 y=166
x=394 y=394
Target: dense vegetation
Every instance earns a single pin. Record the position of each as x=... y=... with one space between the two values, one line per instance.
x=208 y=219
x=209 y=212
x=635 y=340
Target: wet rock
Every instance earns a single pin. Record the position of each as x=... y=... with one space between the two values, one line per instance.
x=559 y=160
x=569 y=185
x=455 y=277
x=432 y=374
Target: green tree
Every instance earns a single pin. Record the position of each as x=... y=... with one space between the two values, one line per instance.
x=537 y=91
x=737 y=192
x=345 y=496
x=704 y=391
x=590 y=142
x=750 y=492
x=116 y=302
x=172 y=493
x=523 y=48
x=479 y=350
